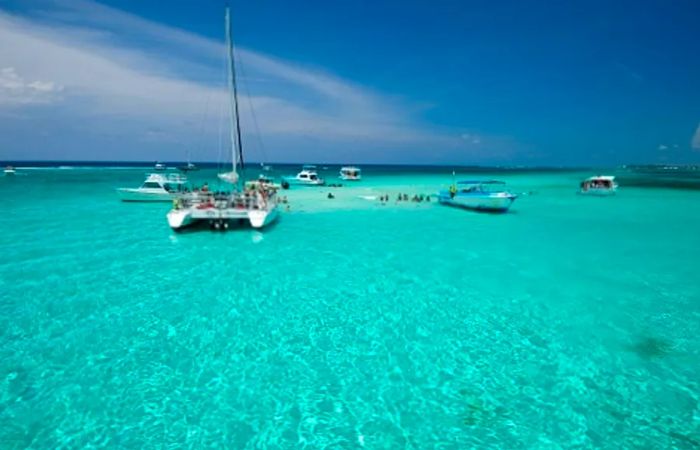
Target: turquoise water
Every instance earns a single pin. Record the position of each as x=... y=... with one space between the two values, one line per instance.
x=571 y=322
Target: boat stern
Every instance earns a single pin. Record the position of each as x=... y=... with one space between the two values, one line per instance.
x=179 y=218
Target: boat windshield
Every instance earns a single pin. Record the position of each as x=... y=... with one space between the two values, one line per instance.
x=487 y=187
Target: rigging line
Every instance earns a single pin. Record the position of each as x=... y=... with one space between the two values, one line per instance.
x=258 y=135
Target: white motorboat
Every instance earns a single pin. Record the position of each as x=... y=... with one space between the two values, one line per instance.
x=351 y=173
x=601 y=185
x=157 y=188
x=307 y=177
x=479 y=195
x=255 y=203
x=9 y=170
x=159 y=167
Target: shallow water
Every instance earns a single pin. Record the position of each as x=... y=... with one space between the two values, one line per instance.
x=569 y=322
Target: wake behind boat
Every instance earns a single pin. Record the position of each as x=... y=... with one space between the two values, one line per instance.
x=158 y=187
x=479 y=195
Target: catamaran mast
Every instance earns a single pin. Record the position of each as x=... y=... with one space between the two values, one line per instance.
x=236 y=142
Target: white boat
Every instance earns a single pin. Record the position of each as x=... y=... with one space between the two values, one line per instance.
x=350 y=173
x=479 y=195
x=307 y=177
x=159 y=167
x=601 y=185
x=9 y=170
x=158 y=187
x=255 y=203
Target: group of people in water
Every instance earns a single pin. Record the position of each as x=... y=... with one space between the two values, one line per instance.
x=417 y=198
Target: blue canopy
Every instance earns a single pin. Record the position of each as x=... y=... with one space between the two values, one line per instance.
x=480 y=182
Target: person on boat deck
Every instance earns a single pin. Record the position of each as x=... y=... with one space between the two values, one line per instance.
x=205 y=187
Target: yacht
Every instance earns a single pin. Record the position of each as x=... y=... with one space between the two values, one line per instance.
x=158 y=187
x=307 y=177
x=479 y=195
x=255 y=203
x=601 y=185
x=9 y=170
x=351 y=173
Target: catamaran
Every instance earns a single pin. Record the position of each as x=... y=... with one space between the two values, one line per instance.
x=158 y=187
x=480 y=195
x=255 y=203
x=350 y=173
x=602 y=185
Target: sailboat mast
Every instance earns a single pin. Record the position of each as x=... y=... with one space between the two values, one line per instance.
x=236 y=142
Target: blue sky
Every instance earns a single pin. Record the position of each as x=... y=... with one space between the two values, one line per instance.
x=446 y=82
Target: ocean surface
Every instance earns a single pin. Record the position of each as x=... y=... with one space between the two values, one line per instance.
x=569 y=322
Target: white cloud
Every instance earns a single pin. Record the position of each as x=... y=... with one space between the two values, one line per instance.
x=695 y=142
x=76 y=51
x=16 y=90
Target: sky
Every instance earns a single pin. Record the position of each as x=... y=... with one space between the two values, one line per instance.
x=540 y=83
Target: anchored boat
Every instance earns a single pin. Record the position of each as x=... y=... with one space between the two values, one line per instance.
x=255 y=203
x=601 y=185
x=351 y=173
x=307 y=177
x=479 y=195
x=157 y=188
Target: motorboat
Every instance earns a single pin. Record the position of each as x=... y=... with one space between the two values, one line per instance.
x=307 y=177
x=254 y=203
x=601 y=185
x=479 y=195
x=9 y=170
x=159 y=167
x=350 y=173
x=158 y=187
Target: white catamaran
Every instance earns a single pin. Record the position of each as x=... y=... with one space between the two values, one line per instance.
x=254 y=203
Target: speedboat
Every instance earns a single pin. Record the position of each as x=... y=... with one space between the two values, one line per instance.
x=601 y=185
x=159 y=167
x=351 y=173
x=157 y=188
x=9 y=170
x=479 y=195
x=307 y=177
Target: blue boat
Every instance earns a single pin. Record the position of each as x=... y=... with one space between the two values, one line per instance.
x=479 y=195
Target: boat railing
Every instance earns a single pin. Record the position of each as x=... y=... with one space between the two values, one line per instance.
x=247 y=200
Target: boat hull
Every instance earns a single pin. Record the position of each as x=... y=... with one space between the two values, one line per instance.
x=136 y=195
x=179 y=219
x=497 y=202
x=294 y=181
x=598 y=192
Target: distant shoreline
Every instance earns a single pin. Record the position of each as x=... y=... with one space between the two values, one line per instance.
x=457 y=167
